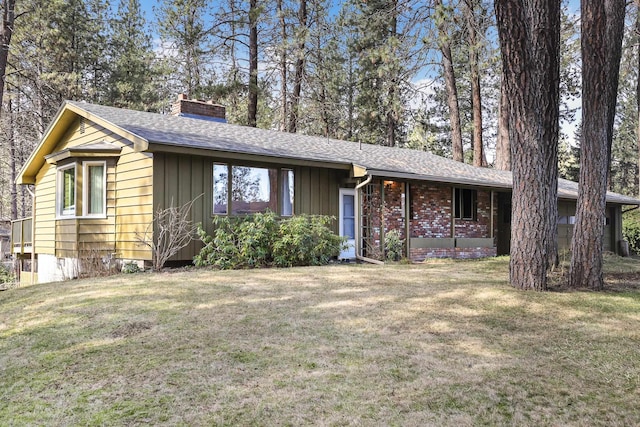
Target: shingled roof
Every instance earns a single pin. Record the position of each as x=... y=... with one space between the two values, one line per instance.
x=172 y=131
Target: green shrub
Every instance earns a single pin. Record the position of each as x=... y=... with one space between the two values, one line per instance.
x=306 y=240
x=221 y=249
x=6 y=276
x=130 y=267
x=393 y=245
x=631 y=230
x=261 y=240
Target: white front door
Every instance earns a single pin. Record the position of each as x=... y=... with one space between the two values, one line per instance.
x=348 y=221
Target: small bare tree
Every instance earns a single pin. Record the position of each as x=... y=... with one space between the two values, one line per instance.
x=173 y=231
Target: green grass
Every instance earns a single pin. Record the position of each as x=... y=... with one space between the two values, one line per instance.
x=440 y=343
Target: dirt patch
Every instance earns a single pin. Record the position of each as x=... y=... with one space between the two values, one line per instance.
x=130 y=329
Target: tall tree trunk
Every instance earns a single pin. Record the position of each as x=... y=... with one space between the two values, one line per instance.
x=601 y=45
x=476 y=98
x=350 y=100
x=299 y=72
x=392 y=109
x=503 y=148
x=252 y=109
x=12 y=160
x=283 y=67
x=444 y=44
x=6 y=31
x=638 y=86
x=530 y=41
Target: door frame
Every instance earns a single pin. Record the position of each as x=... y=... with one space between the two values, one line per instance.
x=349 y=253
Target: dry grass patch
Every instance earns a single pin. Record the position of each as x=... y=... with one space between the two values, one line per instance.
x=440 y=343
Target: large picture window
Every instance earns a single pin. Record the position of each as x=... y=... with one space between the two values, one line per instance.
x=67 y=190
x=465 y=204
x=251 y=190
x=94 y=194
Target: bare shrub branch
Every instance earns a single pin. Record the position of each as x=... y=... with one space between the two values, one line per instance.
x=173 y=231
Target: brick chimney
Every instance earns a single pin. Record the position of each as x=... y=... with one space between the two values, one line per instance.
x=196 y=109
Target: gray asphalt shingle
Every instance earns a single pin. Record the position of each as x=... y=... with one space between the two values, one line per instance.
x=207 y=135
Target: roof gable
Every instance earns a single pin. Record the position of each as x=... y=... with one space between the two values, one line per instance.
x=67 y=114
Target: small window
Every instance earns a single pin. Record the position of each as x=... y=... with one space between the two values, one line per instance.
x=465 y=204
x=348 y=216
x=286 y=187
x=220 y=188
x=94 y=194
x=67 y=190
x=564 y=219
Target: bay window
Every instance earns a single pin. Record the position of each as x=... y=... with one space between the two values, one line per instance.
x=82 y=191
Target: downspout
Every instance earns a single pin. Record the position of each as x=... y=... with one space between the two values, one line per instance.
x=491 y=234
x=358 y=229
x=453 y=221
x=407 y=220
x=33 y=234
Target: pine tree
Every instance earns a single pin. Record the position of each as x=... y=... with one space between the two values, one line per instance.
x=601 y=45
x=441 y=17
x=531 y=69
x=186 y=36
x=134 y=73
x=6 y=32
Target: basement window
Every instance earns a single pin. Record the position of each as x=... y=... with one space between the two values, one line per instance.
x=465 y=204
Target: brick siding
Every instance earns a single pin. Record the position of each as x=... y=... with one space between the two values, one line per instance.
x=431 y=214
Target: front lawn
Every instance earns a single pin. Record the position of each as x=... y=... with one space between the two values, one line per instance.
x=439 y=343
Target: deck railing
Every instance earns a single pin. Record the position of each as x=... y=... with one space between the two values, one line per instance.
x=21 y=235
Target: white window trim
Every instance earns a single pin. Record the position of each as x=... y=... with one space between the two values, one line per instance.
x=60 y=212
x=85 y=189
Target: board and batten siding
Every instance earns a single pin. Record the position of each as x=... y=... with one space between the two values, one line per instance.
x=317 y=192
x=179 y=179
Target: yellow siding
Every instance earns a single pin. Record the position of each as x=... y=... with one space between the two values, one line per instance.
x=67 y=238
x=45 y=213
x=134 y=203
x=75 y=237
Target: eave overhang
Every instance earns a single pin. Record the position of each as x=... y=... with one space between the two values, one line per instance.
x=162 y=147
x=99 y=150
x=435 y=178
